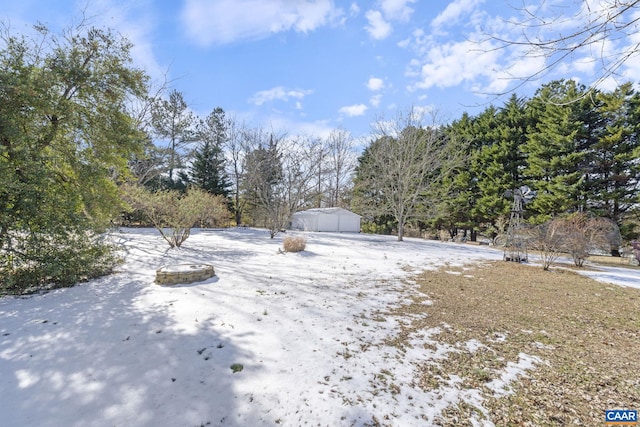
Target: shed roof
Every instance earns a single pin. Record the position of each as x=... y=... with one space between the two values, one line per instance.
x=329 y=211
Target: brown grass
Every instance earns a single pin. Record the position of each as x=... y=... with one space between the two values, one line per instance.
x=610 y=260
x=586 y=332
x=294 y=243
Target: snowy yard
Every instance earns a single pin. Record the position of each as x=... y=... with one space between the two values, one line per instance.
x=304 y=331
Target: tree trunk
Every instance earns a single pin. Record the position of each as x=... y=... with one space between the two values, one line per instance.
x=400 y=231
x=238 y=217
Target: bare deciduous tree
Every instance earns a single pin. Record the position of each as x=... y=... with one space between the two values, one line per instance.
x=237 y=147
x=298 y=186
x=405 y=162
x=280 y=179
x=150 y=164
x=262 y=176
x=341 y=164
x=334 y=163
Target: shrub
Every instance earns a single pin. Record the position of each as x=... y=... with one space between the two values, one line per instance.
x=376 y=228
x=547 y=239
x=585 y=234
x=173 y=213
x=577 y=234
x=294 y=243
x=47 y=261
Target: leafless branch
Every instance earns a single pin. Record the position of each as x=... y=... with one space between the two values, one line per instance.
x=610 y=29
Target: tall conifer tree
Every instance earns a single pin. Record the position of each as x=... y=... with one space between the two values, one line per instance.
x=614 y=157
x=499 y=162
x=208 y=168
x=556 y=156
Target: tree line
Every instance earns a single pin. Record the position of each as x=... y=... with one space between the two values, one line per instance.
x=262 y=176
x=577 y=148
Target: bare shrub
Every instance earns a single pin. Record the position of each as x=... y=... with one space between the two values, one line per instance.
x=547 y=240
x=578 y=234
x=174 y=214
x=207 y=209
x=294 y=243
x=585 y=234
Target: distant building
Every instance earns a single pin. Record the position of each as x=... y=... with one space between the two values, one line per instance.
x=326 y=219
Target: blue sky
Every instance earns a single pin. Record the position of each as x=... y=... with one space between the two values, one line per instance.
x=310 y=66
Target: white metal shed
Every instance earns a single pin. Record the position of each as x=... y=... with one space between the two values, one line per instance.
x=326 y=219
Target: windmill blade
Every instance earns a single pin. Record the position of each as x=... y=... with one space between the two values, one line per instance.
x=526 y=193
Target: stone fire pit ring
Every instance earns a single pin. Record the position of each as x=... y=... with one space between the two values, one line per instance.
x=183 y=273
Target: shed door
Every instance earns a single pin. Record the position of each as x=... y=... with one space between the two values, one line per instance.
x=328 y=222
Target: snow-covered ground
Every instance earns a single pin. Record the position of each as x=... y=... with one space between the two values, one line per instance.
x=306 y=329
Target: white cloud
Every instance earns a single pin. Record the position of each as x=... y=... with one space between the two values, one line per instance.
x=585 y=65
x=293 y=127
x=420 y=113
x=404 y=43
x=226 y=21
x=450 y=64
x=631 y=69
x=453 y=12
x=375 y=100
x=520 y=64
x=609 y=83
x=378 y=28
x=389 y=10
x=467 y=62
x=375 y=84
x=397 y=9
x=279 y=93
x=511 y=73
x=475 y=61
x=354 y=110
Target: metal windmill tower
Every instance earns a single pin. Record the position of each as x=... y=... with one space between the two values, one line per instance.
x=515 y=248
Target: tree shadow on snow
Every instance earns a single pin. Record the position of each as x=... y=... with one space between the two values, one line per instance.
x=109 y=353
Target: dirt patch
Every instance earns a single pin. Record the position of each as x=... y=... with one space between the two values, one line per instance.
x=585 y=336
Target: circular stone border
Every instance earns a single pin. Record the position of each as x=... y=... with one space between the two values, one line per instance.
x=183 y=273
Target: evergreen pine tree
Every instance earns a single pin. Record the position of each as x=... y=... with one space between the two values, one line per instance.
x=557 y=156
x=173 y=123
x=456 y=208
x=614 y=160
x=207 y=170
x=499 y=162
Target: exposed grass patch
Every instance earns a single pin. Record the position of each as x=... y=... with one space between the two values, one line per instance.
x=586 y=333
x=236 y=367
x=609 y=260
